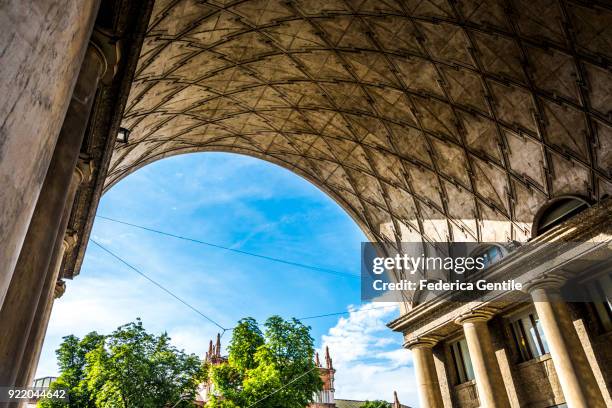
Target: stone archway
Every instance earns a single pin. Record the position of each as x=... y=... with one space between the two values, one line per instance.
x=424 y=119
x=428 y=120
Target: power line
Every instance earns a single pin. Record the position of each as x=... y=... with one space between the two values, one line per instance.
x=157 y=284
x=345 y=312
x=239 y=251
x=336 y=314
x=223 y=329
x=284 y=386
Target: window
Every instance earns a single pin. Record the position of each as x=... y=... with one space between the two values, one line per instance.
x=491 y=254
x=461 y=361
x=529 y=336
x=600 y=290
x=43 y=382
x=559 y=211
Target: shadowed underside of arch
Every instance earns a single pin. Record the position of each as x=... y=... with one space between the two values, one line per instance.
x=446 y=120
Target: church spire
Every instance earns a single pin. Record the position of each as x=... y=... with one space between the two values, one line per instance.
x=328 y=360
x=317 y=360
x=218 y=348
x=396 y=403
x=210 y=349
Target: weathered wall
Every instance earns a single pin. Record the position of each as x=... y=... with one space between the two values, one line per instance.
x=603 y=352
x=535 y=383
x=596 y=346
x=41 y=48
x=538 y=384
x=466 y=395
x=441 y=361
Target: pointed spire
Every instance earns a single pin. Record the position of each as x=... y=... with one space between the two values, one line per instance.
x=206 y=358
x=210 y=349
x=396 y=403
x=328 y=360
x=317 y=360
x=218 y=348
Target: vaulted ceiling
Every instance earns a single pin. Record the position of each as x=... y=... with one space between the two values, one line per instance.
x=441 y=119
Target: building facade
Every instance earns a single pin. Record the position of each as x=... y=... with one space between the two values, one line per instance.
x=325 y=397
x=434 y=120
x=213 y=357
x=542 y=352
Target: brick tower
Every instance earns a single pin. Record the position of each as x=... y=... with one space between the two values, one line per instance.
x=325 y=397
x=213 y=357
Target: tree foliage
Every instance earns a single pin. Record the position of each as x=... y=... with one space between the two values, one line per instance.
x=128 y=368
x=274 y=368
x=377 y=404
x=71 y=357
x=247 y=338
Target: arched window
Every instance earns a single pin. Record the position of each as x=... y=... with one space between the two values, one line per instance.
x=491 y=253
x=556 y=212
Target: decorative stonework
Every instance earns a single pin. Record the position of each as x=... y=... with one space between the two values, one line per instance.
x=70 y=241
x=549 y=282
x=84 y=170
x=60 y=289
x=478 y=315
x=422 y=342
x=437 y=119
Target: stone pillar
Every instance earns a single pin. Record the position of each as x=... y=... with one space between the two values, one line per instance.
x=64 y=243
x=43 y=44
x=489 y=381
x=53 y=288
x=36 y=340
x=21 y=301
x=576 y=377
x=428 y=385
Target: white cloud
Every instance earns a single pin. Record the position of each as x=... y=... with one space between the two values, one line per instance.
x=369 y=359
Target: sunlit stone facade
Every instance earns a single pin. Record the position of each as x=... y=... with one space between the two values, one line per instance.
x=432 y=120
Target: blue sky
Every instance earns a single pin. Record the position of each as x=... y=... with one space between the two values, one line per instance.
x=246 y=204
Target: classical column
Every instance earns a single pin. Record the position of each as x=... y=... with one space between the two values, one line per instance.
x=489 y=381
x=43 y=44
x=21 y=301
x=53 y=288
x=36 y=341
x=64 y=243
x=575 y=375
x=426 y=376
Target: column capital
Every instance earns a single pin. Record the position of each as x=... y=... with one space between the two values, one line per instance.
x=70 y=240
x=477 y=315
x=422 y=342
x=110 y=51
x=549 y=282
x=84 y=170
x=60 y=288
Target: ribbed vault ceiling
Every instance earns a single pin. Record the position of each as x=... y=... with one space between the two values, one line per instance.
x=442 y=119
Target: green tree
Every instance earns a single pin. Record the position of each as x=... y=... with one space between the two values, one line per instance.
x=128 y=368
x=246 y=339
x=71 y=356
x=275 y=369
x=376 y=404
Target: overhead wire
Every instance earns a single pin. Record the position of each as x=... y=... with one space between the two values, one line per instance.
x=111 y=253
x=223 y=329
x=184 y=302
x=226 y=248
x=284 y=386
